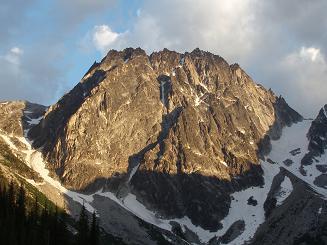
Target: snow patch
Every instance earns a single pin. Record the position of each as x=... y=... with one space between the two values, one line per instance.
x=8 y=141
x=182 y=61
x=86 y=76
x=223 y=162
x=133 y=172
x=286 y=189
x=197 y=101
x=162 y=89
x=204 y=86
x=34 y=121
x=167 y=239
x=242 y=131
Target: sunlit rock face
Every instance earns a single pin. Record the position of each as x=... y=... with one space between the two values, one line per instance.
x=181 y=131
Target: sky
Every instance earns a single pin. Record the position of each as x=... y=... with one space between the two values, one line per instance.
x=48 y=45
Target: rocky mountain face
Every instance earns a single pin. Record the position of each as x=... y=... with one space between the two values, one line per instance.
x=317 y=137
x=180 y=131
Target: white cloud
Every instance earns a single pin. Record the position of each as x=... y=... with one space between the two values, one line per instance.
x=103 y=37
x=16 y=50
x=13 y=56
x=312 y=54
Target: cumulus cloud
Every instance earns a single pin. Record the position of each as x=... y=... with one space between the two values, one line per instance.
x=13 y=56
x=103 y=37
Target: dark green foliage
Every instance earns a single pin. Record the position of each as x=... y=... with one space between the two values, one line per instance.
x=24 y=224
x=88 y=234
x=83 y=228
x=94 y=231
x=28 y=217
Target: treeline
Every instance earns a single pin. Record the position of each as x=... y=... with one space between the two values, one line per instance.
x=24 y=221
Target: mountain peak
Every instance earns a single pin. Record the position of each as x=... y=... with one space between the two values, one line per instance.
x=161 y=118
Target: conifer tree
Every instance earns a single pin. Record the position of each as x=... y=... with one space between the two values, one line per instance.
x=94 y=230
x=83 y=228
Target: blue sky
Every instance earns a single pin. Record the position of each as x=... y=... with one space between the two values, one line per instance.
x=47 y=46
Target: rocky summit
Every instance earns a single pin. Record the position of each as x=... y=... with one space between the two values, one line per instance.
x=180 y=131
x=184 y=147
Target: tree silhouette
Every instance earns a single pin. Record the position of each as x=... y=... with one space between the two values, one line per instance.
x=22 y=223
x=94 y=230
x=83 y=228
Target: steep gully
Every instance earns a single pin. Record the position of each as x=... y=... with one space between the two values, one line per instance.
x=168 y=121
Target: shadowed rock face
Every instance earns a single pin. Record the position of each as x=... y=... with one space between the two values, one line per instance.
x=190 y=122
x=317 y=137
x=318 y=133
